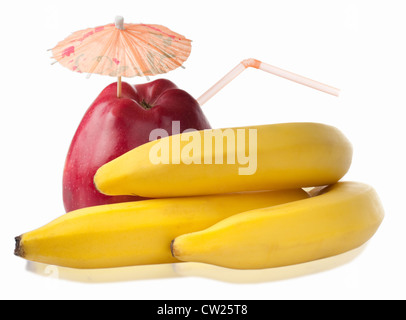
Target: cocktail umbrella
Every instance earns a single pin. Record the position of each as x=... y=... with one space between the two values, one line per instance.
x=123 y=50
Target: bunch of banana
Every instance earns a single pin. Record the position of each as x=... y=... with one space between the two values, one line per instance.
x=285 y=156
x=342 y=217
x=135 y=233
x=240 y=206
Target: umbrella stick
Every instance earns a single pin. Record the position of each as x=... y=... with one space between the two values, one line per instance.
x=270 y=69
x=119 y=87
x=119 y=22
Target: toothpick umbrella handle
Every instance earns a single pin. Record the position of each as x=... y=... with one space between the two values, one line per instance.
x=253 y=63
x=119 y=22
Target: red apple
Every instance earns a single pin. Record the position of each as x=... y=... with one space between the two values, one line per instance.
x=113 y=126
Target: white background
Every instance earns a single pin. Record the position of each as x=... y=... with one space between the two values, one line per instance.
x=357 y=46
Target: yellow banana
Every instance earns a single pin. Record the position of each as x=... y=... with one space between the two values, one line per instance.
x=135 y=233
x=342 y=217
x=267 y=157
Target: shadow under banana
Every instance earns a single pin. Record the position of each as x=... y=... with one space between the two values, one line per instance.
x=193 y=269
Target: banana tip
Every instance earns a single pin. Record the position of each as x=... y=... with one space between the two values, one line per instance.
x=98 y=183
x=95 y=183
x=172 y=249
x=18 y=251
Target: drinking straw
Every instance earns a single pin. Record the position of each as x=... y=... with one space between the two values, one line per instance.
x=256 y=64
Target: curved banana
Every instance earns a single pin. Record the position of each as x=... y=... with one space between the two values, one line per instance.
x=135 y=233
x=342 y=217
x=267 y=157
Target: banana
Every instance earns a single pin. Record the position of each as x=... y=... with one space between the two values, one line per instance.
x=340 y=218
x=135 y=233
x=266 y=157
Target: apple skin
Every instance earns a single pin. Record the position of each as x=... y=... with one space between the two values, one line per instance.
x=113 y=126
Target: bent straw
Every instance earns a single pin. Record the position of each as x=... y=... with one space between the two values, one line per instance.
x=253 y=63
